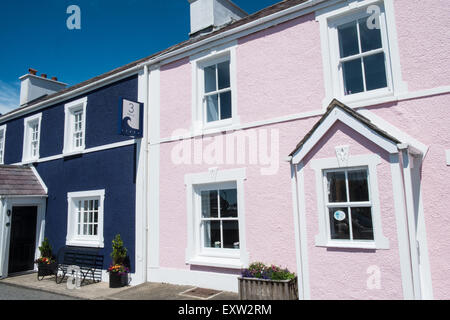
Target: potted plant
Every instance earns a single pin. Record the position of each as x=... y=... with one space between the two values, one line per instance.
x=263 y=282
x=118 y=271
x=46 y=262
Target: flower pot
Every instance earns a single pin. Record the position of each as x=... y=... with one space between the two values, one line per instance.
x=117 y=279
x=261 y=289
x=45 y=269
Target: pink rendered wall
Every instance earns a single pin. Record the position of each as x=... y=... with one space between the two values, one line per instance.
x=424 y=42
x=279 y=72
x=427 y=120
x=337 y=273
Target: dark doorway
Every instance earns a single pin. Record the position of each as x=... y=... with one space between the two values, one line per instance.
x=22 y=243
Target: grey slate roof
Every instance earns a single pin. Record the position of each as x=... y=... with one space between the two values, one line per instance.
x=19 y=181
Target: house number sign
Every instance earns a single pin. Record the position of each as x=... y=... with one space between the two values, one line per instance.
x=130 y=118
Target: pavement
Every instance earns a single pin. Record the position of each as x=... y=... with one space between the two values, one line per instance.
x=101 y=290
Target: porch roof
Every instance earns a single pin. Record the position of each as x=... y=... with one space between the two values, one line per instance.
x=20 y=181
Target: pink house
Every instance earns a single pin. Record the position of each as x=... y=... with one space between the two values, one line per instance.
x=312 y=135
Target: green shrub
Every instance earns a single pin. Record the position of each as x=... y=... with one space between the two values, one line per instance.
x=119 y=252
x=45 y=249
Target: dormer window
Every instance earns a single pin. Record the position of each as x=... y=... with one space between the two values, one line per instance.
x=31 y=138
x=75 y=126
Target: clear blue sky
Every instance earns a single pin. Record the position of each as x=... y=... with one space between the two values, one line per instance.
x=33 y=33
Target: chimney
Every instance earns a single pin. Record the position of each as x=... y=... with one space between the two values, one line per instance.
x=33 y=87
x=208 y=15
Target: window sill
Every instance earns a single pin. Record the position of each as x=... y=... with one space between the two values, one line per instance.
x=72 y=153
x=352 y=245
x=218 y=262
x=85 y=243
x=369 y=98
x=29 y=161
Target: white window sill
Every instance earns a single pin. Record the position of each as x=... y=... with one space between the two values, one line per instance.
x=369 y=98
x=85 y=243
x=352 y=245
x=219 y=262
x=73 y=152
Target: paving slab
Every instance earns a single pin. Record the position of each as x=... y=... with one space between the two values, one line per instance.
x=101 y=290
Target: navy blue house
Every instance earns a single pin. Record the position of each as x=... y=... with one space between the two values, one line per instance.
x=86 y=172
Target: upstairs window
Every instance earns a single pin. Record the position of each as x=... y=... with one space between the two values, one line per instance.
x=362 y=58
x=217 y=92
x=31 y=138
x=75 y=126
x=2 y=143
x=214 y=92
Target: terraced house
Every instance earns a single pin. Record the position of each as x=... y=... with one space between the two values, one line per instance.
x=312 y=134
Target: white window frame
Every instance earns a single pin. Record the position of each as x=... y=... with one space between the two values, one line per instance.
x=321 y=167
x=73 y=239
x=196 y=254
x=70 y=110
x=28 y=123
x=2 y=144
x=199 y=62
x=344 y=12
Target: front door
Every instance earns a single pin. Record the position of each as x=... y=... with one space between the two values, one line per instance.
x=22 y=243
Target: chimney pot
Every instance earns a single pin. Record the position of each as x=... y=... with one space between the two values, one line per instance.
x=44 y=75
x=32 y=71
x=55 y=78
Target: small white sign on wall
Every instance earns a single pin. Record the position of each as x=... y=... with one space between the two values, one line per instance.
x=447 y=156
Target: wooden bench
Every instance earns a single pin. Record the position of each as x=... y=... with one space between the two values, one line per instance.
x=88 y=260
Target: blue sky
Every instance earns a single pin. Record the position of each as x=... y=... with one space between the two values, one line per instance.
x=113 y=33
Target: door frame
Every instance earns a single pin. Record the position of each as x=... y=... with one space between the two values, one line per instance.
x=8 y=203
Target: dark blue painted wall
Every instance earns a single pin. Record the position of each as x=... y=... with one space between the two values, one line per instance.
x=101 y=122
x=112 y=170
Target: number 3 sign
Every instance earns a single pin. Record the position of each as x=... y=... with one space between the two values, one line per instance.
x=130 y=118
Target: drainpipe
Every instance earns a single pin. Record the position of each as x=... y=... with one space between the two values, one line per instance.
x=407 y=164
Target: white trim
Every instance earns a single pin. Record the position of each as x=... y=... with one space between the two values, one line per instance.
x=141 y=186
x=335 y=115
x=71 y=238
x=85 y=151
x=300 y=230
x=411 y=222
x=26 y=152
x=371 y=161
x=402 y=232
x=153 y=179
x=3 y=142
x=194 y=255
x=203 y=279
x=69 y=109
x=447 y=157
x=7 y=204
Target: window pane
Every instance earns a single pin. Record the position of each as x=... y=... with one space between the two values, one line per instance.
x=353 y=79
x=212 y=234
x=230 y=234
x=210 y=79
x=336 y=187
x=375 y=70
x=357 y=185
x=209 y=204
x=348 y=39
x=228 y=203
x=370 y=38
x=95 y=229
x=362 y=223
x=223 y=71
x=212 y=108
x=90 y=230
x=225 y=105
x=339 y=226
